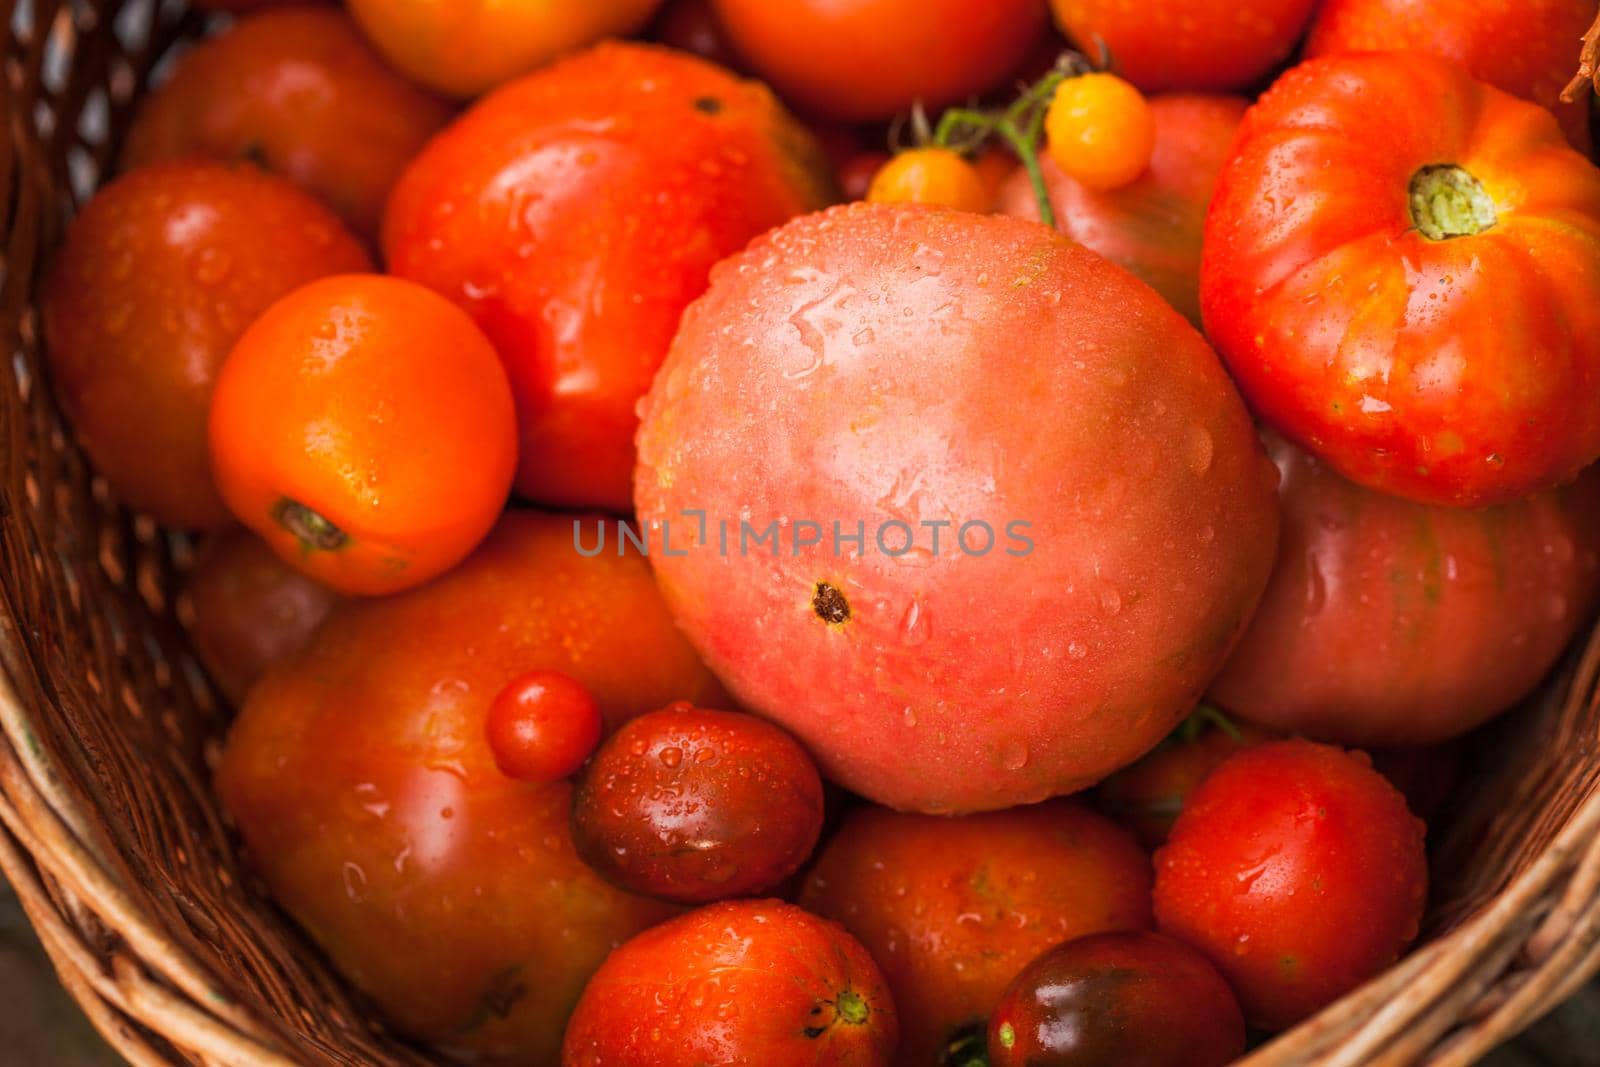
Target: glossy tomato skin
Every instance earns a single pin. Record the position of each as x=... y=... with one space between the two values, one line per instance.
x=741 y=982
x=542 y=726
x=247 y=610
x=1393 y=623
x=1154 y=226
x=1146 y=797
x=1522 y=46
x=299 y=91
x=953 y=909
x=1445 y=371
x=693 y=804
x=869 y=60
x=923 y=367
x=1136 y=999
x=1187 y=44
x=158 y=277
x=1297 y=870
x=574 y=214
x=467 y=49
x=373 y=404
x=362 y=782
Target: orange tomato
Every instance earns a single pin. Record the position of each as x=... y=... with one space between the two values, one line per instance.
x=158 y=277
x=247 y=610
x=1100 y=131
x=363 y=426
x=464 y=48
x=930 y=176
x=867 y=60
x=299 y=91
x=575 y=214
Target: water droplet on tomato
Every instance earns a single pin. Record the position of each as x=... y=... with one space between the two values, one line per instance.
x=1015 y=756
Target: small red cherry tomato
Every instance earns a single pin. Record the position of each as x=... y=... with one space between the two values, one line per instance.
x=542 y=726
x=695 y=805
x=1117 y=1000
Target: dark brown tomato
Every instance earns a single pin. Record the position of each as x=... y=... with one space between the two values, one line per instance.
x=694 y=805
x=1388 y=622
x=247 y=610
x=1134 y=999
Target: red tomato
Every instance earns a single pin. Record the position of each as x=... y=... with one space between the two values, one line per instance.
x=247 y=610
x=918 y=373
x=1117 y=1000
x=866 y=60
x=1148 y=796
x=574 y=213
x=542 y=726
x=695 y=805
x=1154 y=226
x=300 y=92
x=952 y=909
x=744 y=982
x=1298 y=871
x=691 y=26
x=1187 y=44
x=1525 y=47
x=1402 y=270
x=363 y=784
x=157 y=278
x=1393 y=623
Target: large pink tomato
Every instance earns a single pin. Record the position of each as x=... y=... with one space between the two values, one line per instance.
x=1064 y=516
x=1393 y=623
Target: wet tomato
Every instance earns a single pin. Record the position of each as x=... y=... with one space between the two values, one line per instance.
x=1393 y=623
x=574 y=214
x=1297 y=870
x=542 y=726
x=466 y=49
x=299 y=91
x=1525 y=48
x=1401 y=267
x=1133 y=999
x=1154 y=226
x=363 y=425
x=157 y=279
x=1187 y=44
x=693 y=805
x=952 y=909
x=363 y=784
x=247 y=610
x=742 y=982
x=928 y=381
x=1147 y=796
x=867 y=60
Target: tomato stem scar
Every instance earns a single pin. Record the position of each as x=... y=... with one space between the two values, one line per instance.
x=1447 y=201
x=313 y=530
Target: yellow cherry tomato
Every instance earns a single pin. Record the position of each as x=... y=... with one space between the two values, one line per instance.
x=931 y=176
x=1100 y=131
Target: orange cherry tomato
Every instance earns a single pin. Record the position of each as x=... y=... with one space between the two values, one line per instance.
x=575 y=214
x=542 y=726
x=299 y=91
x=868 y=60
x=1100 y=131
x=930 y=176
x=363 y=425
x=466 y=48
x=247 y=610
x=158 y=277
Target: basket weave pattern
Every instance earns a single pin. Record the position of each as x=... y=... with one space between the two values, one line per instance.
x=108 y=728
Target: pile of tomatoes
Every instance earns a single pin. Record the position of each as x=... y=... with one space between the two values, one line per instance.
x=919 y=532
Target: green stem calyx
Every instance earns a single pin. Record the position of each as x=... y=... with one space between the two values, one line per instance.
x=314 y=531
x=852 y=1008
x=1447 y=201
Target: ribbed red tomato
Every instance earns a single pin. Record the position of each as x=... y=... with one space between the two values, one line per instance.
x=1402 y=269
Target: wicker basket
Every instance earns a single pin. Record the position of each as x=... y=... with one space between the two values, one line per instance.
x=108 y=728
